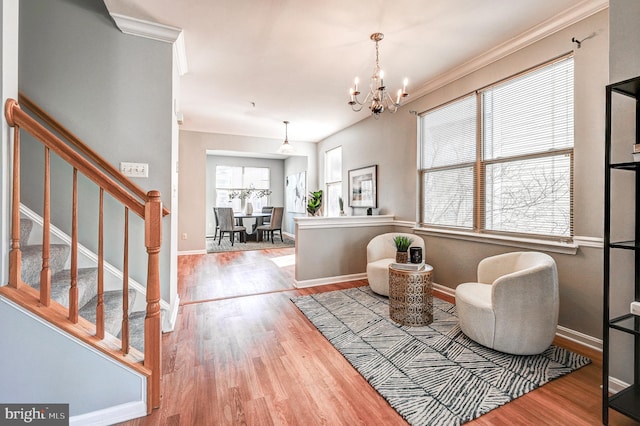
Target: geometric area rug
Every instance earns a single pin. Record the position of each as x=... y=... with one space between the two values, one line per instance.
x=431 y=375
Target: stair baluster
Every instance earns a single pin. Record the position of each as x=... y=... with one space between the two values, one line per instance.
x=124 y=335
x=100 y=304
x=45 y=274
x=15 y=255
x=73 y=288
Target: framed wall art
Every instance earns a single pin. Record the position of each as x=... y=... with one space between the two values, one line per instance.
x=363 y=187
x=296 y=190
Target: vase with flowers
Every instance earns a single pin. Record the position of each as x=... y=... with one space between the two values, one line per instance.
x=247 y=195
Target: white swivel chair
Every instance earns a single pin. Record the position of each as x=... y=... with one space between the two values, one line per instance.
x=381 y=252
x=513 y=307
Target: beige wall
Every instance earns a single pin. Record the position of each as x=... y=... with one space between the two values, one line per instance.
x=192 y=170
x=390 y=142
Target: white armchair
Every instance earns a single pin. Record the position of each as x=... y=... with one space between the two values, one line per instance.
x=381 y=252
x=513 y=307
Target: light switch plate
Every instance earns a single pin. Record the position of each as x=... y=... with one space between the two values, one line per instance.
x=138 y=170
x=635 y=308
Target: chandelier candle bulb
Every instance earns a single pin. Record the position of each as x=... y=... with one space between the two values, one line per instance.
x=398 y=99
x=356 y=85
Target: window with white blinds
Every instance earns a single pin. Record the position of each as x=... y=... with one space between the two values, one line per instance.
x=515 y=174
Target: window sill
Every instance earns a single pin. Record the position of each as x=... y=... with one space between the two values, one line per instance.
x=503 y=240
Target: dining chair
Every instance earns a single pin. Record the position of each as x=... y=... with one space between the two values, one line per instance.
x=227 y=224
x=275 y=224
x=267 y=209
x=215 y=213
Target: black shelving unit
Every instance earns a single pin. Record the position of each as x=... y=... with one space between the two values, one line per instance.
x=626 y=401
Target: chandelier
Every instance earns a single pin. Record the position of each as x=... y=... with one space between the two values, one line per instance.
x=286 y=147
x=378 y=99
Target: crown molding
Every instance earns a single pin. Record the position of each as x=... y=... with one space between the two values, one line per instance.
x=540 y=31
x=158 y=32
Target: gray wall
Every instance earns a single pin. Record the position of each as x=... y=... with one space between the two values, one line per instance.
x=390 y=142
x=112 y=90
x=66 y=372
x=624 y=63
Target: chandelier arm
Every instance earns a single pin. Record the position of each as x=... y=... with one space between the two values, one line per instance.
x=367 y=99
x=390 y=100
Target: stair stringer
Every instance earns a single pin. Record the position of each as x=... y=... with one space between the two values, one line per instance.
x=44 y=363
x=88 y=259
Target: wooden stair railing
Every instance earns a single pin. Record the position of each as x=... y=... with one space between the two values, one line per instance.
x=147 y=206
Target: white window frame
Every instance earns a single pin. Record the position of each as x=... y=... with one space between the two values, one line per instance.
x=333 y=184
x=563 y=244
x=221 y=196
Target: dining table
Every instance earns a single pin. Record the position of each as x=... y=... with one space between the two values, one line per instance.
x=258 y=216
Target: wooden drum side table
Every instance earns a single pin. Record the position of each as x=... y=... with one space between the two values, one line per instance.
x=411 y=296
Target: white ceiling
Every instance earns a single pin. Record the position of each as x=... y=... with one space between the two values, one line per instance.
x=296 y=59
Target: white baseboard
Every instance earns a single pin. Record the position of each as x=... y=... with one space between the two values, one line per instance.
x=112 y=415
x=446 y=290
x=169 y=321
x=579 y=338
x=616 y=385
x=190 y=252
x=329 y=280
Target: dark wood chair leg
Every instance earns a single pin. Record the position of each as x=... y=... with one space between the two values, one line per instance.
x=220 y=240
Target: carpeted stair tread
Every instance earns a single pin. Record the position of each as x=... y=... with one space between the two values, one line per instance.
x=136 y=330
x=32 y=261
x=61 y=283
x=86 y=283
x=25 y=230
x=112 y=310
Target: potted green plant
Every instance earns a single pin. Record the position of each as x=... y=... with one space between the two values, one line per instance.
x=402 y=243
x=314 y=202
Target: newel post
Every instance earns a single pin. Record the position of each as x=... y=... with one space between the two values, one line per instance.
x=15 y=255
x=152 y=330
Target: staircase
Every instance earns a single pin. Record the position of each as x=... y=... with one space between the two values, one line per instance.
x=73 y=298
x=87 y=279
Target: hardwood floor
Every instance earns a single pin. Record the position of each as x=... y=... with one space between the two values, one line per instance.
x=241 y=359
